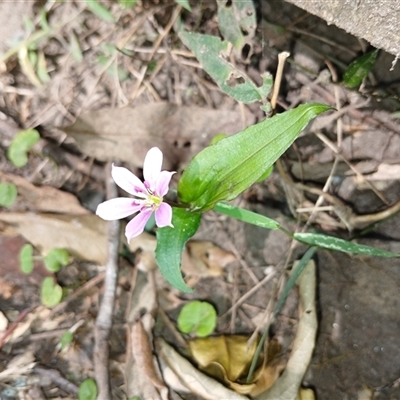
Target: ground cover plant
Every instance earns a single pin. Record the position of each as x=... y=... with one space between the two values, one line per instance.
x=204 y=102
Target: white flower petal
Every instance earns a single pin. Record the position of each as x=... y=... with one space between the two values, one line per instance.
x=162 y=184
x=152 y=166
x=136 y=226
x=117 y=208
x=126 y=180
x=164 y=215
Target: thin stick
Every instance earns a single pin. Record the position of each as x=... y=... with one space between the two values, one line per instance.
x=278 y=77
x=104 y=317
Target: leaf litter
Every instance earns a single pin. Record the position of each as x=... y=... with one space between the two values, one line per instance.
x=50 y=217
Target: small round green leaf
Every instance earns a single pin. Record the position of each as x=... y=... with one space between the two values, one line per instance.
x=26 y=259
x=51 y=292
x=197 y=317
x=55 y=259
x=87 y=390
x=22 y=143
x=8 y=194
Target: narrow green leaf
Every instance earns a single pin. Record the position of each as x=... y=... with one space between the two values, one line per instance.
x=224 y=170
x=56 y=259
x=87 y=390
x=184 y=3
x=22 y=143
x=171 y=242
x=66 y=339
x=198 y=317
x=333 y=243
x=359 y=69
x=99 y=10
x=246 y=216
x=75 y=48
x=8 y=194
x=26 y=259
x=51 y=292
x=212 y=53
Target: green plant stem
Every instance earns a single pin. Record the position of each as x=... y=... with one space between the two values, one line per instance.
x=281 y=301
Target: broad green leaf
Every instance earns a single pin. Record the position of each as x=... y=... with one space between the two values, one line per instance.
x=246 y=15
x=99 y=10
x=22 y=143
x=246 y=216
x=56 y=259
x=224 y=170
x=171 y=242
x=184 y=3
x=266 y=174
x=26 y=259
x=333 y=243
x=8 y=194
x=197 y=317
x=212 y=53
x=359 y=69
x=87 y=390
x=51 y=292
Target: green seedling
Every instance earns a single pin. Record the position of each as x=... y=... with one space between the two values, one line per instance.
x=18 y=151
x=198 y=318
x=87 y=390
x=8 y=194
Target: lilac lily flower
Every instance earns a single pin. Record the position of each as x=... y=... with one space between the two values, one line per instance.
x=148 y=196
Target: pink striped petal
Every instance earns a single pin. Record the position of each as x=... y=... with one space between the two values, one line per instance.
x=162 y=183
x=152 y=166
x=117 y=208
x=136 y=226
x=164 y=215
x=127 y=181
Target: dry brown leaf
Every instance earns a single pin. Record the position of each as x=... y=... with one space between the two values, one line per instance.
x=84 y=236
x=126 y=134
x=287 y=386
x=142 y=377
x=228 y=359
x=20 y=365
x=43 y=198
x=199 y=383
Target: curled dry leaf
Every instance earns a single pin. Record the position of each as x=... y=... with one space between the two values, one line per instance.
x=288 y=384
x=126 y=134
x=142 y=376
x=199 y=383
x=43 y=198
x=228 y=359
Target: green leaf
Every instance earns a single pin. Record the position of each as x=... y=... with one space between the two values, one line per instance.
x=224 y=170
x=171 y=242
x=266 y=174
x=75 y=48
x=87 y=390
x=211 y=52
x=184 y=3
x=246 y=216
x=127 y=3
x=51 y=292
x=359 y=69
x=55 y=259
x=8 y=194
x=197 y=317
x=26 y=259
x=99 y=10
x=22 y=143
x=333 y=243
x=228 y=25
x=66 y=339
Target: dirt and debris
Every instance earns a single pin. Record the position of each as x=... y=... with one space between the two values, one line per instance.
x=114 y=89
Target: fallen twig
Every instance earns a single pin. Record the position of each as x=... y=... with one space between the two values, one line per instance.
x=104 y=317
